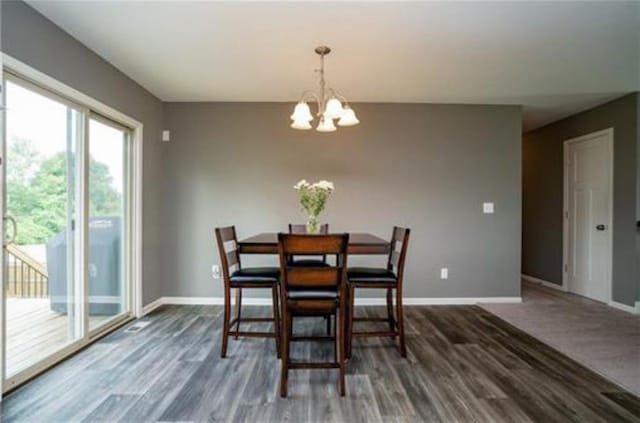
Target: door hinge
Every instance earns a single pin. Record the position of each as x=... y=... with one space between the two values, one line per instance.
x=73 y=224
x=566 y=268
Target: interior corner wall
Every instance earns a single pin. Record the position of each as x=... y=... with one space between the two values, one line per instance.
x=543 y=194
x=429 y=167
x=29 y=37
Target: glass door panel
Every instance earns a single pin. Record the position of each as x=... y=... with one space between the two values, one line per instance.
x=41 y=289
x=108 y=220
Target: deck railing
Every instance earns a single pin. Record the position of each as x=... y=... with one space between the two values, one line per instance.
x=26 y=277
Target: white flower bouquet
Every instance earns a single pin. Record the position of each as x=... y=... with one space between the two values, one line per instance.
x=313 y=199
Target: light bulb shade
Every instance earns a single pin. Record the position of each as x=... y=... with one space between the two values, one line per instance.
x=302 y=112
x=348 y=118
x=301 y=124
x=326 y=125
x=333 y=109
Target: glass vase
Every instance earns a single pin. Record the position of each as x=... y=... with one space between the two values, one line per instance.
x=313 y=226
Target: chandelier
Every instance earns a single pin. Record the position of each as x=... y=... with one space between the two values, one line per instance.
x=331 y=105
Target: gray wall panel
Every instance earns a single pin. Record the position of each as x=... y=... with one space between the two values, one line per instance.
x=428 y=167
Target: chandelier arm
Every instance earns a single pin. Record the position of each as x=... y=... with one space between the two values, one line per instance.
x=308 y=95
x=340 y=97
x=311 y=95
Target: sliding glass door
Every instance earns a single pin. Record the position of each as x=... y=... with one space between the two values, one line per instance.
x=108 y=222
x=41 y=287
x=66 y=195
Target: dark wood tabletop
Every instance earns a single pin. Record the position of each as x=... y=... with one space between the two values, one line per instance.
x=359 y=243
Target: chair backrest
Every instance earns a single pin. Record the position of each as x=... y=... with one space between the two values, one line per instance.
x=313 y=278
x=302 y=229
x=228 y=249
x=398 y=251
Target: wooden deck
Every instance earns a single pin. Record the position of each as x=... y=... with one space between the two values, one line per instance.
x=34 y=331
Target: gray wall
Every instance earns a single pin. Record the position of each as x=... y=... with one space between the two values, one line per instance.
x=543 y=186
x=428 y=167
x=638 y=193
x=36 y=41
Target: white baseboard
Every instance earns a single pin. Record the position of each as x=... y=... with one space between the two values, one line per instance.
x=197 y=300
x=462 y=300
x=543 y=282
x=359 y=301
x=624 y=307
x=614 y=304
x=151 y=306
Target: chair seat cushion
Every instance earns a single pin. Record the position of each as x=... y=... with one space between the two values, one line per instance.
x=371 y=274
x=256 y=275
x=308 y=263
x=309 y=294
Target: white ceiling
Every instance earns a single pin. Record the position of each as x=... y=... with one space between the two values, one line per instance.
x=553 y=58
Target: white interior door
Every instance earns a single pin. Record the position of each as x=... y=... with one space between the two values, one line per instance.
x=588 y=194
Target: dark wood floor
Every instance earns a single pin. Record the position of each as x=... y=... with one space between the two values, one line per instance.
x=464 y=365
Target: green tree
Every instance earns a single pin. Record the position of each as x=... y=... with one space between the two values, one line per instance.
x=37 y=192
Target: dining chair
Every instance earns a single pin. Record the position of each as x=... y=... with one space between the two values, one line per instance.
x=237 y=277
x=389 y=278
x=312 y=291
x=301 y=229
x=308 y=261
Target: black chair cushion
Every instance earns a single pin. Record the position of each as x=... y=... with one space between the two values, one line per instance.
x=371 y=274
x=308 y=263
x=309 y=294
x=256 y=275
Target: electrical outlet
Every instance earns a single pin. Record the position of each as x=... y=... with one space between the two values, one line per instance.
x=444 y=273
x=215 y=271
x=487 y=208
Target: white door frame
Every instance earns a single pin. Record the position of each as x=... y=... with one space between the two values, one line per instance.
x=64 y=91
x=609 y=133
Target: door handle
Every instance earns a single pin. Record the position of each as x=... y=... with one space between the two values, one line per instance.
x=601 y=227
x=14 y=233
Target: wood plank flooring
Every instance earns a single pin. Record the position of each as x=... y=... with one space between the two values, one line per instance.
x=464 y=365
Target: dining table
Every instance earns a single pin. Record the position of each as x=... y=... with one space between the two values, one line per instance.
x=359 y=243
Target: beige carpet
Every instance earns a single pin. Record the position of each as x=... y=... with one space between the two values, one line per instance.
x=600 y=337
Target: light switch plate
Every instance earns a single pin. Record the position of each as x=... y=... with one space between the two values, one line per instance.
x=487 y=208
x=166 y=136
x=444 y=273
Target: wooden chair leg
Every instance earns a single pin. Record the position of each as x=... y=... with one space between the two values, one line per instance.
x=286 y=327
x=290 y=326
x=276 y=317
x=400 y=314
x=335 y=338
x=238 y=310
x=351 y=298
x=340 y=340
x=225 y=324
x=390 y=310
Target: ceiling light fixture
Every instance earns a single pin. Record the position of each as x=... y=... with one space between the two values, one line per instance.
x=331 y=105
